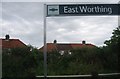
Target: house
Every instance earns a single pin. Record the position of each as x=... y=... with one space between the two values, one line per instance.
x=8 y=43
x=65 y=47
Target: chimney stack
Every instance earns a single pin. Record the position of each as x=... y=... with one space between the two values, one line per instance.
x=55 y=41
x=7 y=37
x=83 y=42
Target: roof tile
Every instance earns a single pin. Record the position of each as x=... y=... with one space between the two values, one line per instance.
x=11 y=43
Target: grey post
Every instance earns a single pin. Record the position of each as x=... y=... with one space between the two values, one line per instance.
x=45 y=45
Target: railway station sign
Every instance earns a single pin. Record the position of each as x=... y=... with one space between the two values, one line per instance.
x=83 y=9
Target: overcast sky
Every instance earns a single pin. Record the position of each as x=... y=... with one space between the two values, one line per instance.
x=24 y=21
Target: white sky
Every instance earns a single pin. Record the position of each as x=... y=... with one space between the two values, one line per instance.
x=24 y=21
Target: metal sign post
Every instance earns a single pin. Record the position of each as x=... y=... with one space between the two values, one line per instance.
x=45 y=45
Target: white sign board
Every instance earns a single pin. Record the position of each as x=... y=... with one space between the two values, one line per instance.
x=53 y=10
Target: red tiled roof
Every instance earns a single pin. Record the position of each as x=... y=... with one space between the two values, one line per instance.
x=50 y=47
x=11 y=43
x=75 y=46
x=62 y=46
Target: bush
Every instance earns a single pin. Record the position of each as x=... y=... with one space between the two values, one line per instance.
x=20 y=62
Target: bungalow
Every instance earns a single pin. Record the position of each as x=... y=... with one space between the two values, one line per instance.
x=65 y=47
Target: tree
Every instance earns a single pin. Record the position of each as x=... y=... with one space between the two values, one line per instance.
x=113 y=46
x=115 y=38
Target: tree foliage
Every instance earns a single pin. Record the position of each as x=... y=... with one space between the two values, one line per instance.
x=113 y=48
x=20 y=62
x=81 y=61
x=115 y=38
